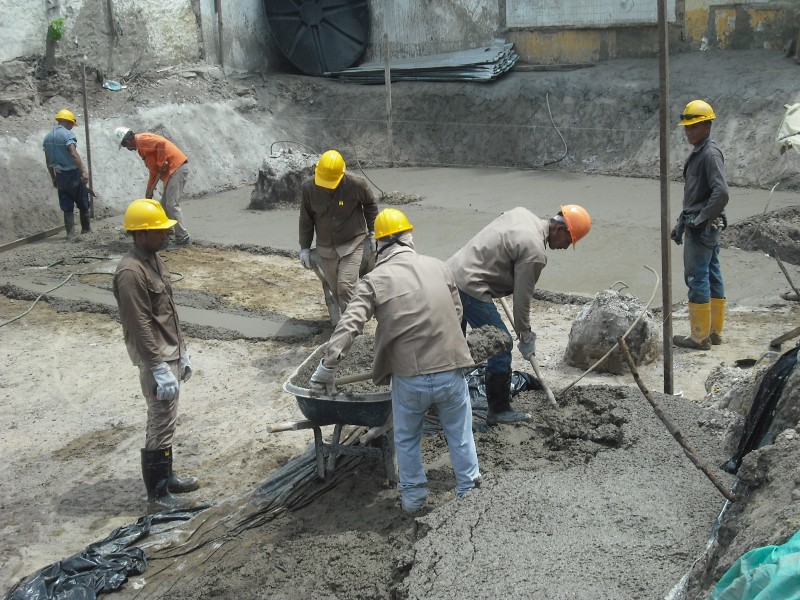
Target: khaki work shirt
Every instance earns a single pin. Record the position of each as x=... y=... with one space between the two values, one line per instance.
x=341 y=218
x=507 y=256
x=149 y=318
x=416 y=302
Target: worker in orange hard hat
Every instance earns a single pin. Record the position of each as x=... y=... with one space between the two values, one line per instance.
x=339 y=209
x=705 y=195
x=507 y=257
x=67 y=172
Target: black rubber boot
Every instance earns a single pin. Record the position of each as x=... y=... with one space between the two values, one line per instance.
x=498 y=397
x=156 y=469
x=180 y=485
x=69 y=223
x=85 y=225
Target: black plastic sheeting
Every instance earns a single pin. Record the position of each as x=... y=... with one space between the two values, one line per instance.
x=482 y=64
x=102 y=567
x=319 y=36
x=762 y=412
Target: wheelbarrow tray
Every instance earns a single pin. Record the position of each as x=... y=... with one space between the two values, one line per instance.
x=365 y=409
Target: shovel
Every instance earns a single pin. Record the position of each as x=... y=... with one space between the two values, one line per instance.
x=534 y=363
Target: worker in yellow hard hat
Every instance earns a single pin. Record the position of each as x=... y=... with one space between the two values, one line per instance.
x=418 y=347
x=339 y=210
x=507 y=257
x=67 y=172
x=152 y=332
x=700 y=224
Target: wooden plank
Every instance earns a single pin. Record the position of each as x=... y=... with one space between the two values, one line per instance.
x=31 y=238
x=786 y=336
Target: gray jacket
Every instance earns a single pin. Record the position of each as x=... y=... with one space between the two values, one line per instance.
x=507 y=256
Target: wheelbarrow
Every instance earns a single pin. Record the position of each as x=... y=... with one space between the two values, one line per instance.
x=372 y=410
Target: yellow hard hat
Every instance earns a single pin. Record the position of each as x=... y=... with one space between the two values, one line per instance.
x=330 y=170
x=65 y=115
x=697 y=111
x=391 y=221
x=578 y=221
x=146 y=214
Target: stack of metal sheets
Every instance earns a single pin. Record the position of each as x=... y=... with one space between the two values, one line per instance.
x=477 y=64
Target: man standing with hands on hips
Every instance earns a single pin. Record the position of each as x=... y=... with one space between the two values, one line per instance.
x=152 y=333
x=701 y=221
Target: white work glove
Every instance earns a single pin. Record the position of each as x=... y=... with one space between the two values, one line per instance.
x=166 y=385
x=527 y=344
x=373 y=243
x=185 y=367
x=305 y=257
x=323 y=381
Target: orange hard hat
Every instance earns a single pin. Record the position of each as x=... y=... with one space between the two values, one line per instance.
x=578 y=221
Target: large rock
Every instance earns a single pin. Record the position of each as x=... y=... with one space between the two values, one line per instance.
x=598 y=326
x=279 y=179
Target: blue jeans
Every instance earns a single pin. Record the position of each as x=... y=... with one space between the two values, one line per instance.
x=701 y=269
x=411 y=399
x=478 y=313
x=72 y=191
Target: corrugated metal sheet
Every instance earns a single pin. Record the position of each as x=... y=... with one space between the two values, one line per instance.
x=476 y=64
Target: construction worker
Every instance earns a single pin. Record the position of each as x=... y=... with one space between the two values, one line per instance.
x=165 y=162
x=340 y=209
x=418 y=347
x=152 y=333
x=507 y=257
x=67 y=172
x=705 y=195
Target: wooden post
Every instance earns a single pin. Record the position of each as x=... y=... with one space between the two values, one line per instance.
x=387 y=80
x=88 y=142
x=218 y=8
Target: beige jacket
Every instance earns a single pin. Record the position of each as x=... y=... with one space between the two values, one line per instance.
x=507 y=256
x=416 y=303
x=340 y=220
x=149 y=318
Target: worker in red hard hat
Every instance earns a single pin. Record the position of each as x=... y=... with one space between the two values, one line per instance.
x=67 y=172
x=339 y=209
x=507 y=257
x=700 y=224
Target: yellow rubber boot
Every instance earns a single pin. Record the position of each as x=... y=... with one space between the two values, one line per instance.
x=717 y=320
x=700 y=320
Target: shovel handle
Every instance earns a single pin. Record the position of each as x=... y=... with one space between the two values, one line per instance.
x=548 y=392
x=354 y=378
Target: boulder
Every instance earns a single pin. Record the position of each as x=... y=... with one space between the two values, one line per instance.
x=598 y=326
x=279 y=179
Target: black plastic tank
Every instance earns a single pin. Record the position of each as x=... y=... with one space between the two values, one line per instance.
x=319 y=36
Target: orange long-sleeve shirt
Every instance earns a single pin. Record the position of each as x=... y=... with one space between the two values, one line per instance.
x=155 y=150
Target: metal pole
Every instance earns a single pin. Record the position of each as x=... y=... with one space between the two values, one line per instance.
x=387 y=79
x=666 y=220
x=88 y=142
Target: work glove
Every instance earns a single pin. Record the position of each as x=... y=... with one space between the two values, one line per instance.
x=166 y=385
x=185 y=368
x=323 y=381
x=373 y=243
x=677 y=233
x=305 y=257
x=527 y=344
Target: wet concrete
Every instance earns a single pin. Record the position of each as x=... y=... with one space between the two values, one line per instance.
x=259 y=327
x=457 y=203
